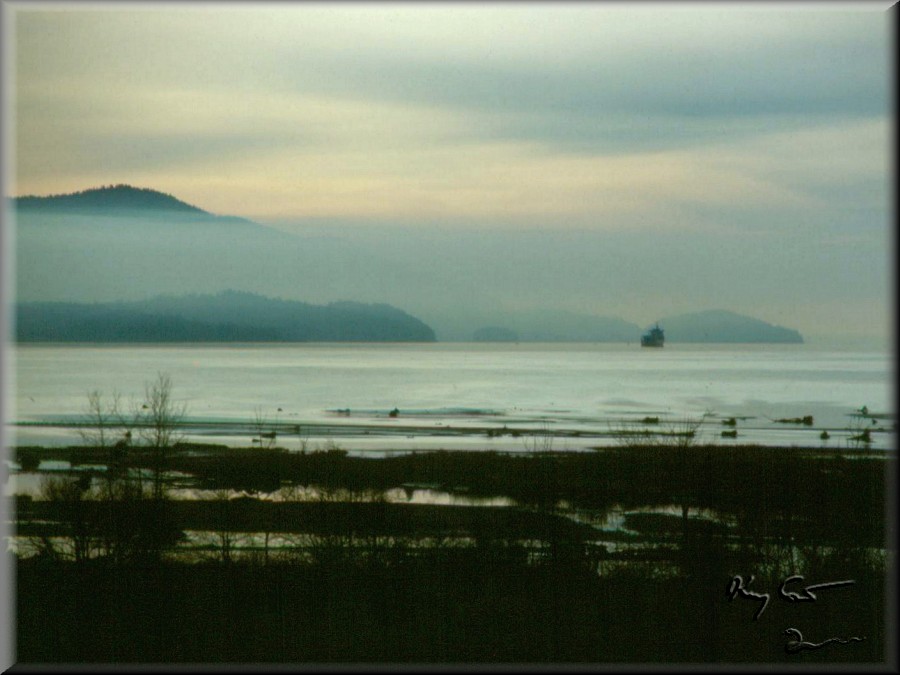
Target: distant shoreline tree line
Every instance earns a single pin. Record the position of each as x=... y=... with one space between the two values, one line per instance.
x=236 y=316
x=228 y=316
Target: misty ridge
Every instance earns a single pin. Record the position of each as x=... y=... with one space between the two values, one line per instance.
x=164 y=269
x=228 y=316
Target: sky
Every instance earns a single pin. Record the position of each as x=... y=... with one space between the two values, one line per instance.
x=737 y=156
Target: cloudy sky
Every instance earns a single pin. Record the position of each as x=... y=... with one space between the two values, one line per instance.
x=755 y=137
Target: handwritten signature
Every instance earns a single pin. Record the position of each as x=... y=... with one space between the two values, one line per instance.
x=798 y=644
x=738 y=587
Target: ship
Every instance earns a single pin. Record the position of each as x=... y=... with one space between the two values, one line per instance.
x=653 y=338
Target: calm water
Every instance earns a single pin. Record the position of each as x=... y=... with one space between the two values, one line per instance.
x=451 y=395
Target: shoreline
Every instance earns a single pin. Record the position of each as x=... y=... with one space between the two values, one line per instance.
x=410 y=431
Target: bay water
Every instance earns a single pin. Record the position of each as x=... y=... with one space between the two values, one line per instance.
x=377 y=398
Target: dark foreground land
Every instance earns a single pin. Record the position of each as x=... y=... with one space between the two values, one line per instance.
x=119 y=575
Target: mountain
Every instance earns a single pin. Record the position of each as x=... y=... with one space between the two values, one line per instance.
x=227 y=316
x=110 y=199
x=717 y=325
x=125 y=243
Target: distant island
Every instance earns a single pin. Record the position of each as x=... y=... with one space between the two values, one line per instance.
x=226 y=317
x=709 y=326
x=718 y=325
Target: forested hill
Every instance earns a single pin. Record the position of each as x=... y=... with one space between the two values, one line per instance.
x=226 y=317
x=112 y=198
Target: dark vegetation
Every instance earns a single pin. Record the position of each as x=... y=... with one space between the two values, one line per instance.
x=225 y=317
x=783 y=486
x=435 y=608
x=362 y=580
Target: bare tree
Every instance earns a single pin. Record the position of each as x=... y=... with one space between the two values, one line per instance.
x=99 y=419
x=224 y=540
x=539 y=445
x=160 y=417
x=260 y=423
x=681 y=437
x=541 y=441
x=70 y=498
x=303 y=437
x=108 y=427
